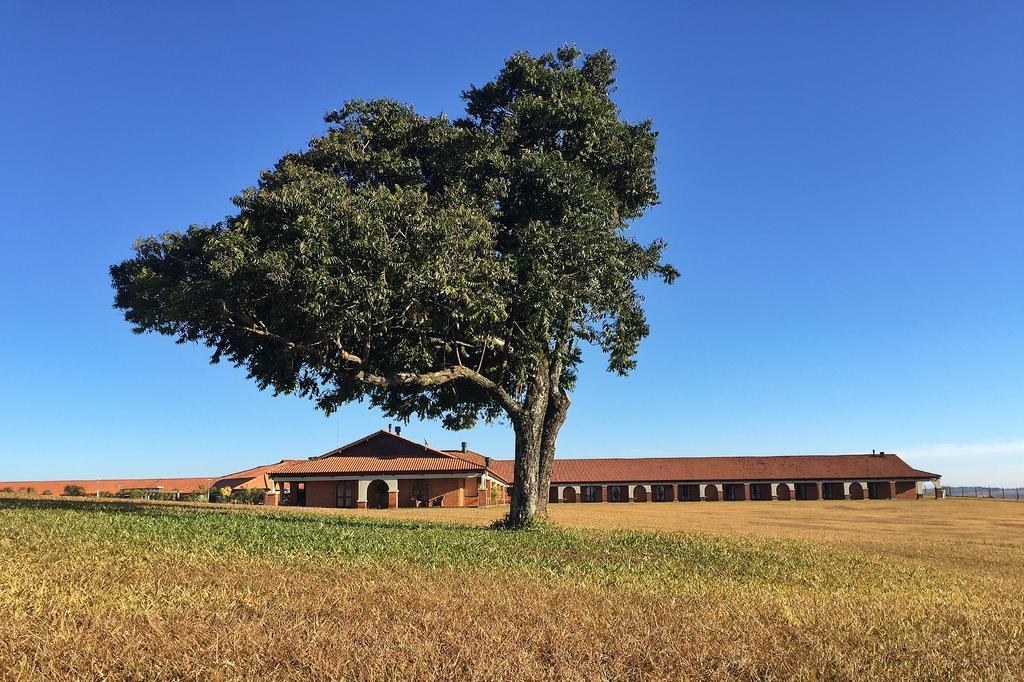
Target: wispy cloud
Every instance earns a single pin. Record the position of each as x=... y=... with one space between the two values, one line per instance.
x=995 y=464
x=1009 y=449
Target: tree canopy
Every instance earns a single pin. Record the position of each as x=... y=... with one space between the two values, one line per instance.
x=438 y=268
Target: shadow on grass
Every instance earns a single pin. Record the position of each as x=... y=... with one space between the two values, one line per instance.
x=289 y=515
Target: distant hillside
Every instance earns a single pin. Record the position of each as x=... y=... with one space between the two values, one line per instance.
x=984 y=491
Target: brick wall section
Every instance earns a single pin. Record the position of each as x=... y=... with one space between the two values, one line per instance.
x=906 y=490
x=453 y=489
x=321 y=493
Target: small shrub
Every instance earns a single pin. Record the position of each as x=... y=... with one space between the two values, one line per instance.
x=7 y=489
x=247 y=496
x=74 y=491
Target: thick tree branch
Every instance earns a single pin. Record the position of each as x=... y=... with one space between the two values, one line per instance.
x=439 y=378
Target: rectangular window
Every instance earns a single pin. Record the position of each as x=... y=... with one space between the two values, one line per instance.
x=420 y=493
x=346 y=494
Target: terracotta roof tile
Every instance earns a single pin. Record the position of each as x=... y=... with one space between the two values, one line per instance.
x=256 y=477
x=384 y=452
x=474 y=458
x=776 y=468
x=350 y=465
x=92 y=486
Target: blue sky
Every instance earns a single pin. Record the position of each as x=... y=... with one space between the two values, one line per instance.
x=842 y=185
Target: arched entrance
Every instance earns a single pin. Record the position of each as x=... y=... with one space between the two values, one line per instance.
x=639 y=493
x=377 y=495
x=711 y=493
x=783 y=492
x=569 y=494
x=856 y=491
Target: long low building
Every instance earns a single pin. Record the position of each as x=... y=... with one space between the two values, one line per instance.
x=386 y=470
x=255 y=478
x=110 y=486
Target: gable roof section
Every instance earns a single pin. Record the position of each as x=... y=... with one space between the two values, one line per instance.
x=474 y=458
x=384 y=452
x=255 y=477
x=774 y=468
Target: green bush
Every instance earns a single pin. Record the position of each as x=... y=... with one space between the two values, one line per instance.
x=74 y=491
x=248 y=496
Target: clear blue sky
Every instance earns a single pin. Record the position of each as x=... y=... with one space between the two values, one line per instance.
x=842 y=184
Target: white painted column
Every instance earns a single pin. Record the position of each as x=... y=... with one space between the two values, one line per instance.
x=703 y=491
x=775 y=491
x=363 y=485
x=846 y=490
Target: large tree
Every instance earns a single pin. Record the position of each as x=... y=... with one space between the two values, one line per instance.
x=439 y=268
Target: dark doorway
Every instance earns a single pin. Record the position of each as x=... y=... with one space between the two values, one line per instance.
x=734 y=492
x=420 y=492
x=377 y=495
x=761 y=491
x=346 y=494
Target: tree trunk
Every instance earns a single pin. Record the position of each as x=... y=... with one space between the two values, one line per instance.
x=535 y=454
x=554 y=418
x=529 y=429
x=525 y=500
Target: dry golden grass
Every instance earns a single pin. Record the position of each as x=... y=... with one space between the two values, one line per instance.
x=750 y=590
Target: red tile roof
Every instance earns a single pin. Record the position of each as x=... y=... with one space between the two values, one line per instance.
x=92 y=486
x=384 y=452
x=775 y=468
x=256 y=477
x=342 y=465
x=474 y=458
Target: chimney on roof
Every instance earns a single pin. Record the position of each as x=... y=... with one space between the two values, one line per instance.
x=389 y=428
x=487 y=462
x=464 y=445
x=398 y=430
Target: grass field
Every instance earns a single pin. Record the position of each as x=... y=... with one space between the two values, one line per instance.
x=121 y=590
